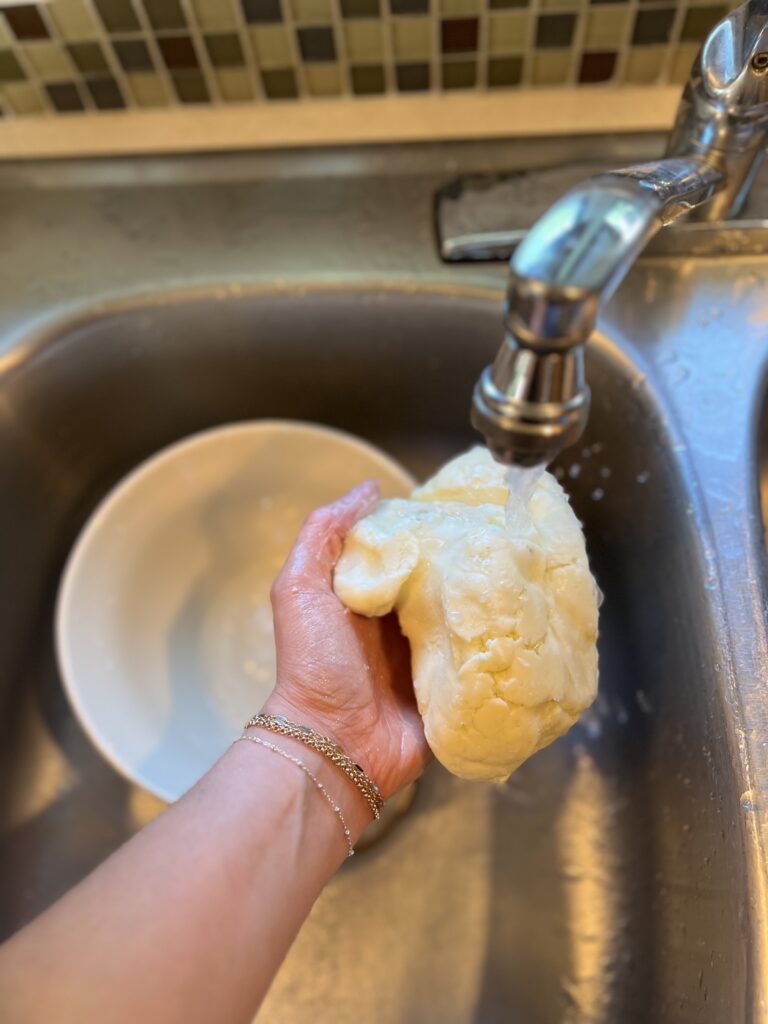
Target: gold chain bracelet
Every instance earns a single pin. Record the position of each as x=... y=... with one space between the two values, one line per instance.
x=325 y=746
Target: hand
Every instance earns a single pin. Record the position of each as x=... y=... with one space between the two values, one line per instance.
x=344 y=675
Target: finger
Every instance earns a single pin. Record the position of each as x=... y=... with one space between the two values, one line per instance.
x=321 y=538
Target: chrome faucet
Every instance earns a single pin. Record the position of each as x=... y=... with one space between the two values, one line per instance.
x=533 y=401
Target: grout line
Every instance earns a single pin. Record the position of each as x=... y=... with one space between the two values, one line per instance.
x=150 y=38
x=293 y=44
x=113 y=63
x=203 y=60
x=243 y=30
x=340 y=46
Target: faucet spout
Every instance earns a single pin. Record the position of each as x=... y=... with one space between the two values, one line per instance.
x=533 y=401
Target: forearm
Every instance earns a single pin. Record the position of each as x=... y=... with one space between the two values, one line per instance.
x=191 y=919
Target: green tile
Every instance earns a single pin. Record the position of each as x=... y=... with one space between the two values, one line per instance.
x=509 y=33
x=699 y=22
x=213 y=15
x=271 y=46
x=73 y=19
x=644 y=64
x=165 y=14
x=360 y=8
x=147 y=89
x=505 y=72
x=682 y=62
x=364 y=41
x=454 y=7
x=225 y=50
x=118 y=15
x=551 y=67
x=234 y=84
x=323 y=79
x=459 y=74
x=503 y=5
x=606 y=27
x=24 y=99
x=50 y=60
x=190 y=86
x=412 y=38
x=88 y=58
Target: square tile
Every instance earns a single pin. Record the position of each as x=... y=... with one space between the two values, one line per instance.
x=88 y=58
x=165 y=14
x=279 y=84
x=364 y=40
x=10 y=69
x=262 y=11
x=367 y=79
x=224 y=50
x=64 y=97
x=190 y=87
x=148 y=90
x=409 y=6
x=133 y=54
x=555 y=30
x=599 y=66
x=360 y=8
x=453 y=8
x=551 y=67
x=644 y=64
x=323 y=79
x=271 y=46
x=412 y=77
x=118 y=15
x=24 y=99
x=459 y=35
x=105 y=93
x=504 y=5
x=178 y=53
x=683 y=57
x=316 y=43
x=505 y=72
x=26 y=22
x=606 y=27
x=509 y=33
x=412 y=38
x=234 y=85
x=214 y=15
x=653 y=26
x=561 y=5
x=50 y=60
x=459 y=74
x=73 y=19
x=311 y=11
x=699 y=21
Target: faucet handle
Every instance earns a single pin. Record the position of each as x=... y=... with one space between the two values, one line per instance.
x=732 y=66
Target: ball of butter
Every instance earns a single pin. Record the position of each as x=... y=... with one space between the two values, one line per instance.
x=501 y=618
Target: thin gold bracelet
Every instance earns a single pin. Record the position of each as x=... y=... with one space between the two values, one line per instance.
x=310 y=774
x=325 y=746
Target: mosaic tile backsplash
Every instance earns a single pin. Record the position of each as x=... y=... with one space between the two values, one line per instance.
x=83 y=56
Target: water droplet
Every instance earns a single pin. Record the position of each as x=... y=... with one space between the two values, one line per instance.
x=586 y=453
x=643 y=477
x=605 y=472
x=643 y=703
x=598 y=494
x=574 y=471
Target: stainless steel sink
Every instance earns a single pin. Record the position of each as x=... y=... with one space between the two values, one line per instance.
x=619 y=875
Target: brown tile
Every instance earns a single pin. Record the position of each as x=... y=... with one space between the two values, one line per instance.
x=459 y=35
x=165 y=14
x=118 y=15
x=88 y=58
x=555 y=30
x=64 y=97
x=178 y=52
x=367 y=79
x=317 y=43
x=503 y=5
x=26 y=22
x=597 y=67
x=504 y=72
x=412 y=77
x=700 y=20
x=224 y=50
x=653 y=26
x=105 y=93
x=190 y=87
x=279 y=84
x=459 y=74
x=10 y=69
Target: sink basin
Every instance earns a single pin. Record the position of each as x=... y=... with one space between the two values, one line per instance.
x=607 y=881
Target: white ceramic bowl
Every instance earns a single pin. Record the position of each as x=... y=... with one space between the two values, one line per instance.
x=163 y=625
